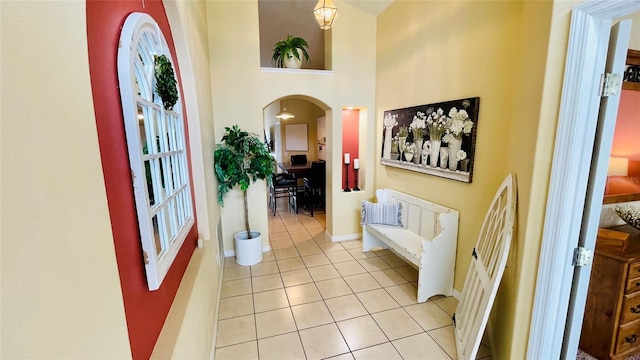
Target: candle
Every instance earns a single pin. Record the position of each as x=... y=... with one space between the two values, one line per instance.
x=356 y=164
x=346 y=158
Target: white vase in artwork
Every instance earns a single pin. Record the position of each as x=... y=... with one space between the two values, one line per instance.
x=434 y=152
x=418 y=142
x=464 y=165
x=454 y=146
x=402 y=143
x=426 y=147
x=444 y=155
x=408 y=156
x=387 y=142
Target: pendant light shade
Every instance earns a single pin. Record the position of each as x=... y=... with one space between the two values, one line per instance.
x=325 y=12
x=284 y=114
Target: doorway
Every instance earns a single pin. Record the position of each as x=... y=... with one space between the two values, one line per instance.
x=553 y=308
x=301 y=134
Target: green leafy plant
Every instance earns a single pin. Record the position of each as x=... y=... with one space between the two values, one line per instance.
x=288 y=48
x=241 y=159
x=403 y=131
x=395 y=145
x=166 y=86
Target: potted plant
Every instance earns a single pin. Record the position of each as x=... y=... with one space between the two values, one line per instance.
x=409 y=151
x=241 y=159
x=288 y=52
x=395 y=148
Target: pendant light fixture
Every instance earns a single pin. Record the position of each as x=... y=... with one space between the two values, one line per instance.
x=284 y=114
x=325 y=12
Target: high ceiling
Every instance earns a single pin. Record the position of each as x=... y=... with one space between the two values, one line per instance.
x=374 y=7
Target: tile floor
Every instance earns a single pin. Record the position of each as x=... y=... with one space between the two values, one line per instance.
x=313 y=299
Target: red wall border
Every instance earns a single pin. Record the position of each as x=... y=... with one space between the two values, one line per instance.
x=145 y=310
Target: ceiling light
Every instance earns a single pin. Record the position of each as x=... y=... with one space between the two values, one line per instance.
x=325 y=12
x=284 y=114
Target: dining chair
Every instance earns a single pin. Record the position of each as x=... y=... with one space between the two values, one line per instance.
x=281 y=185
x=314 y=186
x=299 y=159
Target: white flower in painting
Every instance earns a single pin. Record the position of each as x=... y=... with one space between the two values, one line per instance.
x=410 y=148
x=418 y=125
x=461 y=155
x=390 y=120
x=436 y=123
x=458 y=124
x=455 y=126
x=448 y=138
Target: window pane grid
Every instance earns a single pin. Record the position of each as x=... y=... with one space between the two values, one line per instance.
x=176 y=174
x=155 y=180
x=145 y=50
x=157 y=151
x=175 y=132
x=164 y=234
x=141 y=80
x=156 y=234
x=173 y=219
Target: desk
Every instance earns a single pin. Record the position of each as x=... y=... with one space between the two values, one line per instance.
x=298 y=170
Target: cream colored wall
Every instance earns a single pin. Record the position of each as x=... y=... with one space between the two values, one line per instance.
x=306 y=113
x=438 y=60
x=511 y=55
x=634 y=40
x=240 y=91
x=545 y=30
x=189 y=329
x=61 y=294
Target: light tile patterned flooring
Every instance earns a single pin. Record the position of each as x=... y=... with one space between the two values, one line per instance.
x=313 y=299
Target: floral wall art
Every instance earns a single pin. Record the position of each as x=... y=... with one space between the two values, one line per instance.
x=437 y=139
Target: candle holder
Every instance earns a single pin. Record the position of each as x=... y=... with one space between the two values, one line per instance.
x=356 y=188
x=346 y=168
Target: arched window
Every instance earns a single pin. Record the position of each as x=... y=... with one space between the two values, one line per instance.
x=156 y=141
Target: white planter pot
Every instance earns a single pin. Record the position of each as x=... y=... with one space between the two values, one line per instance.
x=292 y=62
x=248 y=251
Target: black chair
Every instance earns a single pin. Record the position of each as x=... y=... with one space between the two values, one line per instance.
x=281 y=185
x=314 y=185
x=299 y=159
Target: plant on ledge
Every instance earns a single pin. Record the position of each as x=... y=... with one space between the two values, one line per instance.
x=290 y=50
x=241 y=159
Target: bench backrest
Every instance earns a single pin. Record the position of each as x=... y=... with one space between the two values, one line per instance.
x=420 y=216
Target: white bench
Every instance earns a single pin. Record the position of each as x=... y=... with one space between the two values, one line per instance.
x=426 y=238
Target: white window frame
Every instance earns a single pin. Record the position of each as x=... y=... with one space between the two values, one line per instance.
x=165 y=155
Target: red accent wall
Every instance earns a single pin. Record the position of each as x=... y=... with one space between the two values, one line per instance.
x=626 y=144
x=350 y=143
x=627 y=132
x=145 y=310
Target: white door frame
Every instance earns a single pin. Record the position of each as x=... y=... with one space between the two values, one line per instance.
x=586 y=54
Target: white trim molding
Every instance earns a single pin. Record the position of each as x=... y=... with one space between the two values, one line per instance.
x=586 y=54
x=232 y=253
x=346 y=237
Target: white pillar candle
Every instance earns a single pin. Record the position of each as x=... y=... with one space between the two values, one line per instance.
x=356 y=164
x=346 y=158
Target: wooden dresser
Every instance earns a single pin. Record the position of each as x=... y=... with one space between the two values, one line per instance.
x=611 y=326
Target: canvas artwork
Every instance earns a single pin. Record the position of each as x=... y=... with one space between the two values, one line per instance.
x=436 y=139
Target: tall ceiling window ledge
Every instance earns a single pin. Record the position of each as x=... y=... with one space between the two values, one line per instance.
x=295 y=71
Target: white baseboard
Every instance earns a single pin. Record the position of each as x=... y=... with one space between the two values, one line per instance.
x=232 y=253
x=457 y=294
x=346 y=237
